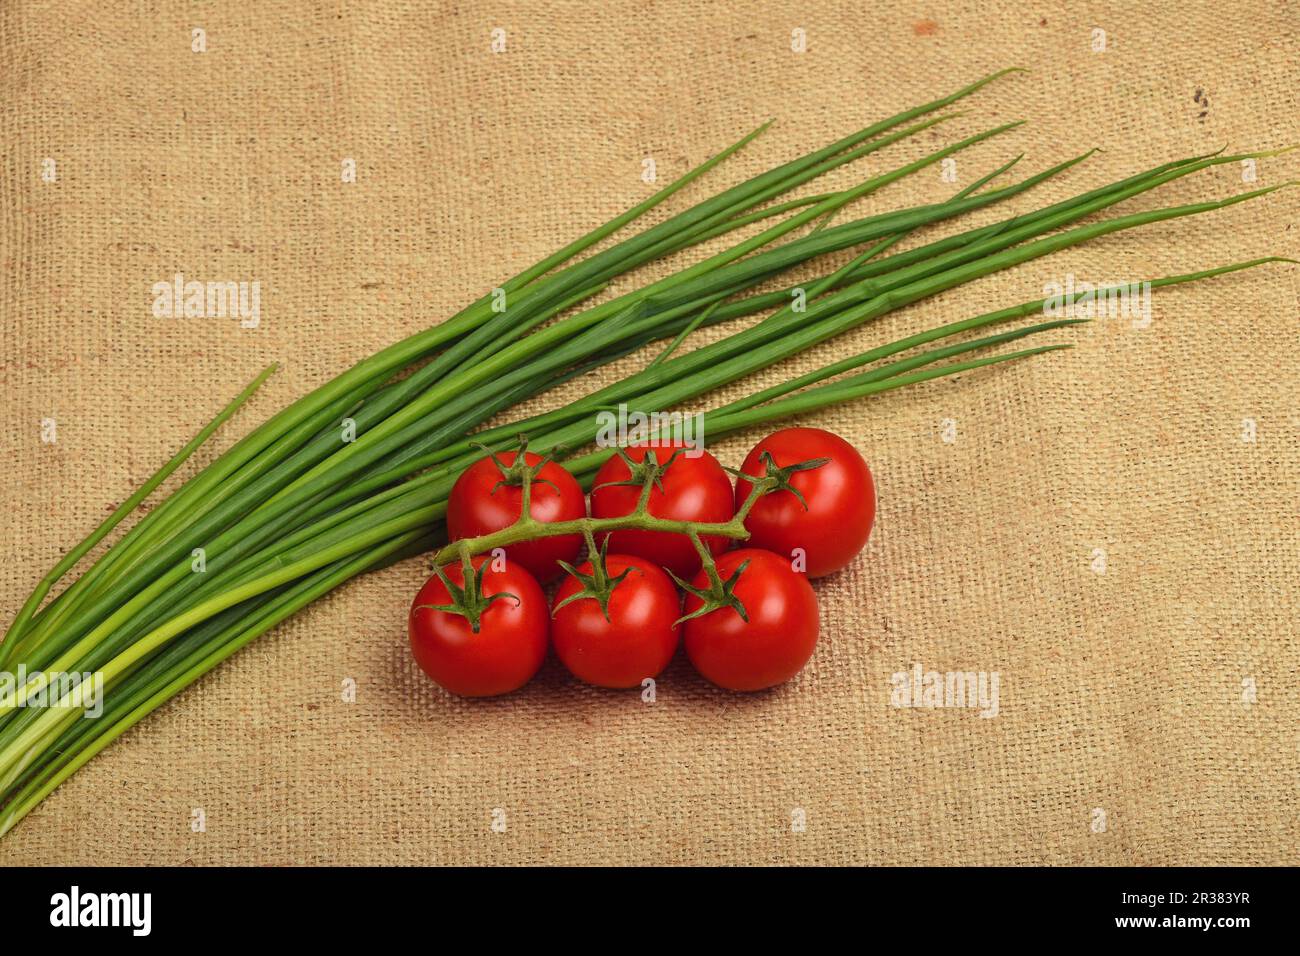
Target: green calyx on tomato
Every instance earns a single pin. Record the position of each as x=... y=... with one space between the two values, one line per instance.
x=644 y=472
x=598 y=585
x=469 y=600
x=522 y=471
x=716 y=593
x=778 y=478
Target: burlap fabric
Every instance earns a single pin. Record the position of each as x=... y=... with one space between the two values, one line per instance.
x=1147 y=714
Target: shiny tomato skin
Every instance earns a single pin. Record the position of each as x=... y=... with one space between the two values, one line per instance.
x=477 y=506
x=841 y=498
x=508 y=648
x=694 y=489
x=637 y=641
x=779 y=637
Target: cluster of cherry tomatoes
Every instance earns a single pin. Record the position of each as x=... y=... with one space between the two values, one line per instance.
x=618 y=622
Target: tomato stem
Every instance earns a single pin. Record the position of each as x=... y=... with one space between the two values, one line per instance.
x=648 y=474
x=527 y=528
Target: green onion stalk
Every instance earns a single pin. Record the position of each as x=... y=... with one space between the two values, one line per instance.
x=355 y=476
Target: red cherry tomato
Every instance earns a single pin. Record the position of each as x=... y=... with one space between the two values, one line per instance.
x=840 y=497
x=776 y=641
x=637 y=640
x=505 y=652
x=479 y=504
x=694 y=489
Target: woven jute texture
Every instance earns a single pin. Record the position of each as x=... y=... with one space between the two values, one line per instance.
x=1113 y=529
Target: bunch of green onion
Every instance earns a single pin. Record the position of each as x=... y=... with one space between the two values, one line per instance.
x=303 y=504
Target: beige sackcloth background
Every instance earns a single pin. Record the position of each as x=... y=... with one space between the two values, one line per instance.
x=1128 y=730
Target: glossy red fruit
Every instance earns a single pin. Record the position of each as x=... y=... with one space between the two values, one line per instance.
x=777 y=640
x=480 y=504
x=503 y=654
x=840 y=498
x=636 y=641
x=694 y=489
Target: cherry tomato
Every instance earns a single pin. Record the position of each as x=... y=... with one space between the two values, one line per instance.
x=505 y=652
x=480 y=504
x=694 y=489
x=637 y=640
x=776 y=641
x=840 y=497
